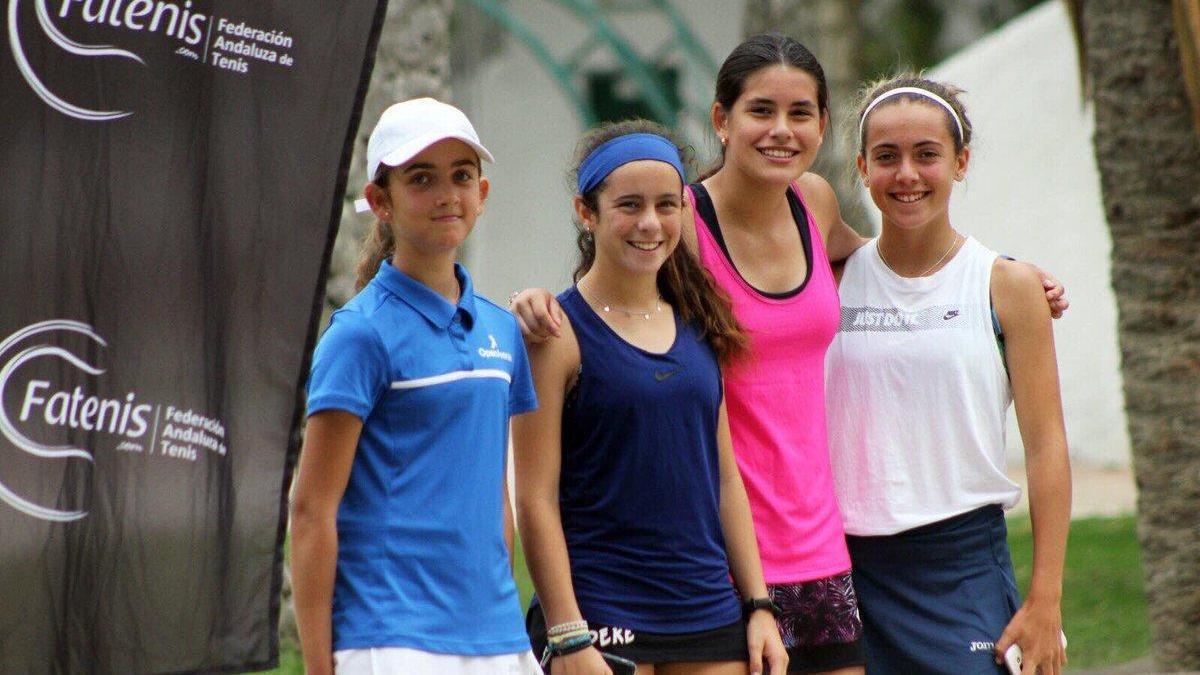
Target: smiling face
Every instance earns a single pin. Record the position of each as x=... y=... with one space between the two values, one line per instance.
x=432 y=200
x=774 y=129
x=909 y=163
x=637 y=225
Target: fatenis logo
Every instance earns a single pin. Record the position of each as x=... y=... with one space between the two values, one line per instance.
x=217 y=42
x=41 y=407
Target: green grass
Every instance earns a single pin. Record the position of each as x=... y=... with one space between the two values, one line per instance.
x=1104 y=608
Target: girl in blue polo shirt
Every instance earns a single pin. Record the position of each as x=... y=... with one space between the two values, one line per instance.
x=399 y=516
x=631 y=507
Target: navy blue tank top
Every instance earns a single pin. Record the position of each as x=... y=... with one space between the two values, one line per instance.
x=639 y=490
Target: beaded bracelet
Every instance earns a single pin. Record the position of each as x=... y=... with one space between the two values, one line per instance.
x=568 y=627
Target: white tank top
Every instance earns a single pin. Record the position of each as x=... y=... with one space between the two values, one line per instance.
x=917 y=394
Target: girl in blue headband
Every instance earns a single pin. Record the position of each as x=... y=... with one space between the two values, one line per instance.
x=631 y=508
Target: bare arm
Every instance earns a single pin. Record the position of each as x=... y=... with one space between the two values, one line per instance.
x=1056 y=293
x=745 y=566
x=1033 y=369
x=538 y=452
x=736 y=522
x=840 y=239
x=330 y=439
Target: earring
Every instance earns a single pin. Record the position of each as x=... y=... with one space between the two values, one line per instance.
x=724 y=141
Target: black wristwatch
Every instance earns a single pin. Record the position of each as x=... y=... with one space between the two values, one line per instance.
x=754 y=604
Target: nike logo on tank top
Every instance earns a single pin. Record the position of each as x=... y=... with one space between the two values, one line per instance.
x=917 y=394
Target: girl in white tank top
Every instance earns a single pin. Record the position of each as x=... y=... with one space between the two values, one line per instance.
x=919 y=381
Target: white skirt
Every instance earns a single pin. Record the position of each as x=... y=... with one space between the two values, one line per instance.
x=405 y=661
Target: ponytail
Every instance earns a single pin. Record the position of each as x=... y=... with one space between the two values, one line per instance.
x=378 y=246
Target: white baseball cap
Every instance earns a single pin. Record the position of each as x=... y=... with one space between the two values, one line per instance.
x=408 y=127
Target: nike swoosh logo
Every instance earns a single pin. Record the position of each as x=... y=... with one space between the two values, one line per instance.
x=663 y=375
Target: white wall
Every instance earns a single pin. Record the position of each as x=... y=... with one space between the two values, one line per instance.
x=1033 y=191
x=526 y=237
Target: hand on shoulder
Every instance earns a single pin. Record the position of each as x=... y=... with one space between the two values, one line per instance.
x=1018 y=292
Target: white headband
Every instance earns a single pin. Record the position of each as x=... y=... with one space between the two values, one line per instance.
x=910 y=90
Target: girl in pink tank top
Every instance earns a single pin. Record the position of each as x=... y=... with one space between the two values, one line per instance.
x=766 y=230
x=777 y=404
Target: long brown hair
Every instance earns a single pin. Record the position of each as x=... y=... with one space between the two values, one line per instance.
x=378 y=245
x=681 y=280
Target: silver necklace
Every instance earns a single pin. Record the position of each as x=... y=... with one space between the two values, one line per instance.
x=645 y=315
x=927 y=269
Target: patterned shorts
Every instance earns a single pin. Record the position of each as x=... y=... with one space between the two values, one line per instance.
x=820 y=624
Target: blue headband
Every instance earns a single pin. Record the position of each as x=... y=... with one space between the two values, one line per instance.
x=623 y=150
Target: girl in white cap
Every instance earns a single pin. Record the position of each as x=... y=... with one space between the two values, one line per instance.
x=401 y=530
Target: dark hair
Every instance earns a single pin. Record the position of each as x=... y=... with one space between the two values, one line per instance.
x=947 y=92
x=758 y=52
x=681 y=280
x=754 y=54
x=378 y=245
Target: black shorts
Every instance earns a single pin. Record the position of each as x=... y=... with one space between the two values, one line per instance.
x=820 y=624
x=727 y=643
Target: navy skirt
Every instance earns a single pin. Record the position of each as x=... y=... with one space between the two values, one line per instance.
x=935 y=599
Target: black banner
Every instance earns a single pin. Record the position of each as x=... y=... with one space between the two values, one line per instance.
x=171 y=174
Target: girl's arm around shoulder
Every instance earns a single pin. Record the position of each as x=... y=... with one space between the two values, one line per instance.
x=1020 y=302
x=538 y=314
x=330 y=439
x=840 y=239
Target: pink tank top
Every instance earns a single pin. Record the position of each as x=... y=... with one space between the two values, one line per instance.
x=775 y=397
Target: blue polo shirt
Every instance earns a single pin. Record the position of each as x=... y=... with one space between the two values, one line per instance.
x=421 y=556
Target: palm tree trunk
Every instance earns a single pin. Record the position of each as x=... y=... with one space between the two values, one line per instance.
x=1148 y=154
x=832 y=30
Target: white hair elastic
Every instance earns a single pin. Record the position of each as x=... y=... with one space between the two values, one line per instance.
x=918 y=92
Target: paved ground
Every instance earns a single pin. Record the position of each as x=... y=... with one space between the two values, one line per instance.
x=1095 y=491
